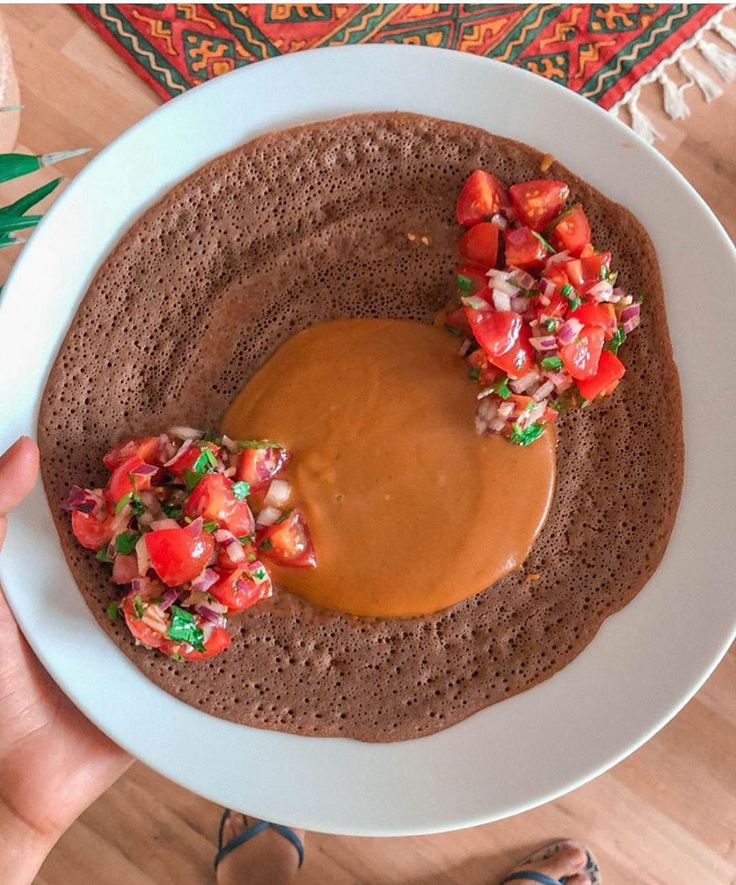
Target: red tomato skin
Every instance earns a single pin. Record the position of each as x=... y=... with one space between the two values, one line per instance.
x=187 y=459
x=504 y=337
x=92 y=531
x=179 y=555
x=581 y=358
x=586 y=272
x=121 y=482
x=537 y=202
x=556 y=307
x=147 y=448
x=523 y=249
x=213 y=500
x=142 y=632
x=478 y=281
x=290 y=541
x=482 y=196
x=570 y=231
x=227 y=591
x=479 y=245
x=457 y=320
x=592 y=314
x=258 y=467
x=610 y=371
x=219 y=641
x=125 y=568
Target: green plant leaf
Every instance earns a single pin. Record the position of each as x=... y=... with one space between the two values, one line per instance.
x=24 y=203
x=10 y=223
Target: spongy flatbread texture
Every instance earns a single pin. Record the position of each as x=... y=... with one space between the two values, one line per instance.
x=311 y=224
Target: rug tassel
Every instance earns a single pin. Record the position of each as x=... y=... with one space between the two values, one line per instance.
x=640 y=123
x=675 y=105
x=728 y=34
x=723 y=60
x=706 y=84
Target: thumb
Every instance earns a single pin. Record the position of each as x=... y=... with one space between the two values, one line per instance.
x=18 y=474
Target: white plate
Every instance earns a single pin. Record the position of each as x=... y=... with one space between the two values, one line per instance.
x=645 y=663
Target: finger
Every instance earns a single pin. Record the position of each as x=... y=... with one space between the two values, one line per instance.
x=18 y=473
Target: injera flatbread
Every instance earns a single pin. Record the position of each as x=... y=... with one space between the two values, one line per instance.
x=311 y=224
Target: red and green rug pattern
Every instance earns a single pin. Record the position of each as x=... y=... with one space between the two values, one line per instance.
x=599 y=50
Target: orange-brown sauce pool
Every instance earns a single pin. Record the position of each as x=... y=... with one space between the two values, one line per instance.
x=409 y=509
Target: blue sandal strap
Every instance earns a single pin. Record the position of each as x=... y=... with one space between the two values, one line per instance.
x=531 y=876
x=250 y=833
x=240 y=839
x=289 y=834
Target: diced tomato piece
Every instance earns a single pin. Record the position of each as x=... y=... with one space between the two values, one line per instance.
x=537 y=202
x=125 y=568
x=556 y=307
x=243 y=587
x=523 y=249
x=610 y=371
x=147 y=448
x=218 y=641
x=550 y=415
x=522 y=403
x=504 y=337
x=92 y=531
x=580 y=359
x=592 y=314
x=556 y=275
x=123 y=481
x=288 y=542
x=188 y=458
x=457 y=320
x=480 y=244
x=179 y=555
x=145 y=620
x=472 y=280
x=482 y=196
x=258 y=466
x=586 y=272
x=570 y=231
x=213 y=499
x=588 y=251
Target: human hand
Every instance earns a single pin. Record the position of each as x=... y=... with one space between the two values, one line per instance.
x=53 y=761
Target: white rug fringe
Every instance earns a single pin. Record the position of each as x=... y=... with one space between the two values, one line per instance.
x=720 y=59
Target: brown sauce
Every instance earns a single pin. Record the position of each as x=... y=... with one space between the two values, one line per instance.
x=410 y=510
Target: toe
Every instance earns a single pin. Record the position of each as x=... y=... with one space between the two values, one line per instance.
x=579 y=879
x=569 y=860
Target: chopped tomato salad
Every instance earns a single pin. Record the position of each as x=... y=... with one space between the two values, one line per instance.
x=185 y=521
x=541 y=315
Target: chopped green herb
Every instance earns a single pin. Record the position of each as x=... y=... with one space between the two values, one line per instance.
x=191 y=478
x=176 y=657
x=212 y=436
x=123 y=502
x=474 y=373
x=136 y=505
x=604 y=272
x=640 y=299
x=464 y=284
x=206 y=462
x=285 y=515
x=245 y=539
x=102 y=554
x=257 y=444
x=543 y=242
x=619 y=336
x=138 y=606
x=252 y=557
x=566 y=290
x=184 y=628
x=453 y=330
x=550 y=325
x=172 y=510
x=584 y=404
x=501 y=387
x=241 y=489
x=210 y=526
x=575 y=303
x=553 y=363
x=125 y=542
x=612 y=277
x=259 y=573
x=527 y=435
x=112 y=611
x=265 y=544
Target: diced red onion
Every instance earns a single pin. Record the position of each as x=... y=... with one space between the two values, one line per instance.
x=208 y=628
x=556 y=259
x=141 y=552
x=187 y=444
x=223 y=536
x=475 y=302
x=500 y=221
x=465 y=346
x=214 y=606
x=520 y=278
x=168 y=598
x=159 y=524
x=569 y=332
x=537 y=412
x=506 y=410
x=501 y=300
x=631 y=324
x=230 y=444
x=150 y=502
x=278 y=493
x=519 y=303
x=547 y=288
x=487 y=391
x=547 y=342
x=235 y=551
x=507 y=287
x=633 y=310
x=145 y=470
x=83 y=500
x=543 y=391
x=497 y=425
x=497 y=275
x=626 y=300
x=268 y=516
x=487 y=409
x=195 y=527
x=206 y=579
x=138 y=585
x=208 y=615
x=183 y=432
x=619 y=293
x=561 y=380
x=602 y=291
x=519 y=385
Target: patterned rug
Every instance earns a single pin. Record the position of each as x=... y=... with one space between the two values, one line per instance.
x=602 y=51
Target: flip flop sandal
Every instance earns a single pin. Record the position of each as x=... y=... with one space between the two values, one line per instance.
x=252 y=832
x=590 y=868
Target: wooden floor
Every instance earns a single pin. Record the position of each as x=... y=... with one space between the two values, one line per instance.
x=666 y=815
